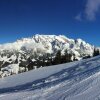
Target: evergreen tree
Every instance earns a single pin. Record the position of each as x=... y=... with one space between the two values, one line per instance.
x=96 y=52
x=57 y=59
x=67 y=56
x=30 y=64
x=16 y=61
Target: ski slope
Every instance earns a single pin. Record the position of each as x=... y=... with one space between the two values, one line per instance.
x=78 y=80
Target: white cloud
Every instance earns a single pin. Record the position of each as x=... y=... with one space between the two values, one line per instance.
x=92 y=7
x=79 y=17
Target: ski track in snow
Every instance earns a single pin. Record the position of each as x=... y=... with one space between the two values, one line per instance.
x=76 y=81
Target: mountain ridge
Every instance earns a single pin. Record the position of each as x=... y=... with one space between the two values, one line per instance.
x=26 y=50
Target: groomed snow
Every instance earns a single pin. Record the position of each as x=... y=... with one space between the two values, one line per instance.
x=73 y=81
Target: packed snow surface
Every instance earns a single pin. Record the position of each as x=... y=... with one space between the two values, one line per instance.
x=78 y=80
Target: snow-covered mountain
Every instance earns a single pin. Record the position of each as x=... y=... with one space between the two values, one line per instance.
x=49 y=44
x=78 y=80
x=20 y=51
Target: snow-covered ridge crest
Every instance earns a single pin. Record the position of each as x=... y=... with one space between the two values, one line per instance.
x=33 y=40
x=49 y=44
x=42 y=39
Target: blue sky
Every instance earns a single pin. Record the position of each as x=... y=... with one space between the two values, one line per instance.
x=73 y=18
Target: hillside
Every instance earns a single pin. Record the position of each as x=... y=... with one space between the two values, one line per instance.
x=78 y=80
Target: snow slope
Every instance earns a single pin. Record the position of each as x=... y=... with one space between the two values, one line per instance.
x=78 y=80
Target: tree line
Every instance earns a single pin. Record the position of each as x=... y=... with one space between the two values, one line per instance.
x=49 y=59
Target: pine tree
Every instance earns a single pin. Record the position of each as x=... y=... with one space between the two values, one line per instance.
x=30 y=64
x=67 y=56
x=96 y=52
x=57 y=59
